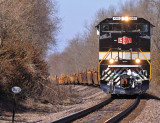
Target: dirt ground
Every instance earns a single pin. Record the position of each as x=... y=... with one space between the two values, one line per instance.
x=40 y=112
x=87 y=96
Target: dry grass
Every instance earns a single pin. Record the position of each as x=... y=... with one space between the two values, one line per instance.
x=156 y=68
x=155 y=81
x=58 y=94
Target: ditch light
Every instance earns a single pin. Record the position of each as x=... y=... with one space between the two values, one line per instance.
x=111 y=60
x=138 y=60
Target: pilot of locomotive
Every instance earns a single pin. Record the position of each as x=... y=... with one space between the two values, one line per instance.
x=124 y=55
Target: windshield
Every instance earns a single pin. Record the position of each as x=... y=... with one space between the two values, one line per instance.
x=112 y=27
x=133 y=27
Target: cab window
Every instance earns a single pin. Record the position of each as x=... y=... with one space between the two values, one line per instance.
x=142 y=27
x=130 y=27
x=112 y=27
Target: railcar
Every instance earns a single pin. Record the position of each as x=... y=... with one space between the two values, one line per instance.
x=124 y=55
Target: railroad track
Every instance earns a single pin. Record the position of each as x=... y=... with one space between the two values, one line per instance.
x=82 y=113
x=114 y=119
x=124 y=113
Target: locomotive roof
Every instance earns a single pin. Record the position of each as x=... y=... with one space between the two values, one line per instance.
x=110 y=20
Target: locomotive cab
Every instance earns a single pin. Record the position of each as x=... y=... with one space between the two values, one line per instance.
x=124 y=55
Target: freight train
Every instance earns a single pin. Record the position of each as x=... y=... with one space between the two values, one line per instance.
x=124 y=57
x=89 y=77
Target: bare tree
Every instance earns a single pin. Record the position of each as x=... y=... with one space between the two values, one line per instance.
x=26 y=29
x=34 y=21
x=82 y=52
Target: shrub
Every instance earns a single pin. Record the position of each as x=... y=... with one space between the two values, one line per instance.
x=21 y=65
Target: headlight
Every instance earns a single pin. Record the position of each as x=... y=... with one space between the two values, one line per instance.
x=125 y=18
x=138 y=60
x=111 y=60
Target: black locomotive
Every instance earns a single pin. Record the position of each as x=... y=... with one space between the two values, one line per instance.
x=124 y=55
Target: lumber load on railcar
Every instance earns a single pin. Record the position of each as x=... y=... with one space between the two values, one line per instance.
x=61 y=79
x=85 y=78
x=89 y=77
x=95 y=77
x=80 y=78
x=72 y=79
x=76 y=78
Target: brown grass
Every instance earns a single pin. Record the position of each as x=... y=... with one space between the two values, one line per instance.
x=155 y=81
x=58 y=94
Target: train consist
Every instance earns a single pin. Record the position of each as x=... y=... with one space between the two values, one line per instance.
x=88 y=78
x=124 y=55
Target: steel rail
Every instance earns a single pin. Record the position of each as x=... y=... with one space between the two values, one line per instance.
x=124 y=113
x=82 y=113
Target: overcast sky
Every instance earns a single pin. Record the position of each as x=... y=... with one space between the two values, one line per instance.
x=74 y=15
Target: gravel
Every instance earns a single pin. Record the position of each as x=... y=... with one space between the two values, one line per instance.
x=150 y=111
x=150 y=114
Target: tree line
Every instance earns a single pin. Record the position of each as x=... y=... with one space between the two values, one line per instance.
x=27 y=27
x=82 y=52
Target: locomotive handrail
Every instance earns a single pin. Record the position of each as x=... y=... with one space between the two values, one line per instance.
x=147 y=61
x=100 y=63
